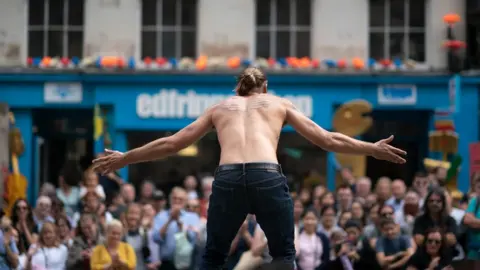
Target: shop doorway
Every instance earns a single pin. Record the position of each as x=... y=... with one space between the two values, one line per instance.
x=410 y=128
x=61 y=136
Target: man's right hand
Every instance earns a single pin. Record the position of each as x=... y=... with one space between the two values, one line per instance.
x=384 y=151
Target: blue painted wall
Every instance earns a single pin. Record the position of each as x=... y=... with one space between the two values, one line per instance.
x=120 y=92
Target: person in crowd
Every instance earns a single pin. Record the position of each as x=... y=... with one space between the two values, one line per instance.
x=47 y=189
x=128 y=193
x=242 y=241
x=159 y=201
x=8 y=247
x=398 y=194
x=137 y=237
x=440 y=175
x=343 y=218
x=328 y=199
x=117 y=207
x=328 y=221
x=58 y=210
x=252 y=259
x=146 y=192
x=370 y=200
x=405 y=216
x=363 y=187
x=67 y=192
x=316 y=204
x=48 y=253
x=362 y=254
x=383 y=189
x=114 y=254
x=435 y=214
x=190 y=185
x=91 y=184
x=298 y=210
x=87 y=237
x=22 y=221
x=148 y=214
x=170 y=222
x=374 y=231
x=201 y=240
x=433 y=254
x=340 y=251
x=305 y=196
x=42 y=212
x=313 y=248
x=318 y=191
x=421 y=184
x=344 y=198
x=358 y=212
x=206 y=191
x=64 y=230
x=472 y=221
x=94 y=205
x=368 y=230
x=393 y=249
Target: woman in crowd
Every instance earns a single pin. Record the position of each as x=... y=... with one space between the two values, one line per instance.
x=67 y=193
x=358 y=212
x=297 y=217
x=22 y=221
x=328 y=216
x=48 y=253
x=328 y=199
x=94 y=205
x=313 y=248
x=87 y=237
x=64 y=230
x=343 y=218
x=114 y=253
x=433 y=254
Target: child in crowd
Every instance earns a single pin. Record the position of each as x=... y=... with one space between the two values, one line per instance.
x=91 y=184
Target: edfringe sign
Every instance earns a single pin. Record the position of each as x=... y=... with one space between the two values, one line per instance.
x=169 y=103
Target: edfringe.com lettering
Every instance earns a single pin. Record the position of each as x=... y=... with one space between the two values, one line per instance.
x=172 y=104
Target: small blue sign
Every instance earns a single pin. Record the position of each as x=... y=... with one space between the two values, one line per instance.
x=397 y=94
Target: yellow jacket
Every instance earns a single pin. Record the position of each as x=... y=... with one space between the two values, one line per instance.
x=101 y=258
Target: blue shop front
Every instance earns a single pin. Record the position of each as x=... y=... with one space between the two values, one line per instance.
x=98 y=110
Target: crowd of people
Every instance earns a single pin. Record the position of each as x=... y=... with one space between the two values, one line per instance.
x=94 y=225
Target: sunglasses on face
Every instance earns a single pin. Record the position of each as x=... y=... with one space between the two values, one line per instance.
x=22 y=208
x=386 y=214
x=434 y=241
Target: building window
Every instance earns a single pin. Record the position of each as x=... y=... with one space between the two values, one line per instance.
x=55 y=28
x=397 y=29
x=169 y=28
x=283 y=28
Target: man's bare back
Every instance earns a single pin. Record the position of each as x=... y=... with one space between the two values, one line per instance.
x=248 y=127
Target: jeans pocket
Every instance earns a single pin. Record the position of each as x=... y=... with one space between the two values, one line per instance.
x=221 y=198
x=273 y=194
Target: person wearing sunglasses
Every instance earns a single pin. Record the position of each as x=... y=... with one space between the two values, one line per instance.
x=433 y=255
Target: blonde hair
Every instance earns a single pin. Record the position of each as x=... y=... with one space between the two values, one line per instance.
x=42 y=231
x=114 y=223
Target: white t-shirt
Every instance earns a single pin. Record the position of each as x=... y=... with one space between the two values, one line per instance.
x=53 y=258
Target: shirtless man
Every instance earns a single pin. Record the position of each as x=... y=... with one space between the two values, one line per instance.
x=249 y=178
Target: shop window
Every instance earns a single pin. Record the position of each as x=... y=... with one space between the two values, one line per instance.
x=397 y=29
x=169 y=28
x=55 y=28
x=283 y=28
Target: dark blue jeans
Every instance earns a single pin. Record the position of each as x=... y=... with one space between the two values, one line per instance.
x=256 y=188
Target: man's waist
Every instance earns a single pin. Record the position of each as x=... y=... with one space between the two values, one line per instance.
x=250 y=166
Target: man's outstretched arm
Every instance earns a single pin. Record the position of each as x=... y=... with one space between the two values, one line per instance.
x=170 y=145
x=337 y=142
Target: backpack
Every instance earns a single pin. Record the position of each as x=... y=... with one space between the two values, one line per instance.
x=182 y=256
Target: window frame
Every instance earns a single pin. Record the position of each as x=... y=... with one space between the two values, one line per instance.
x=178 y=29
x=65 y=28
x=273 y=29
x=387 y=29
